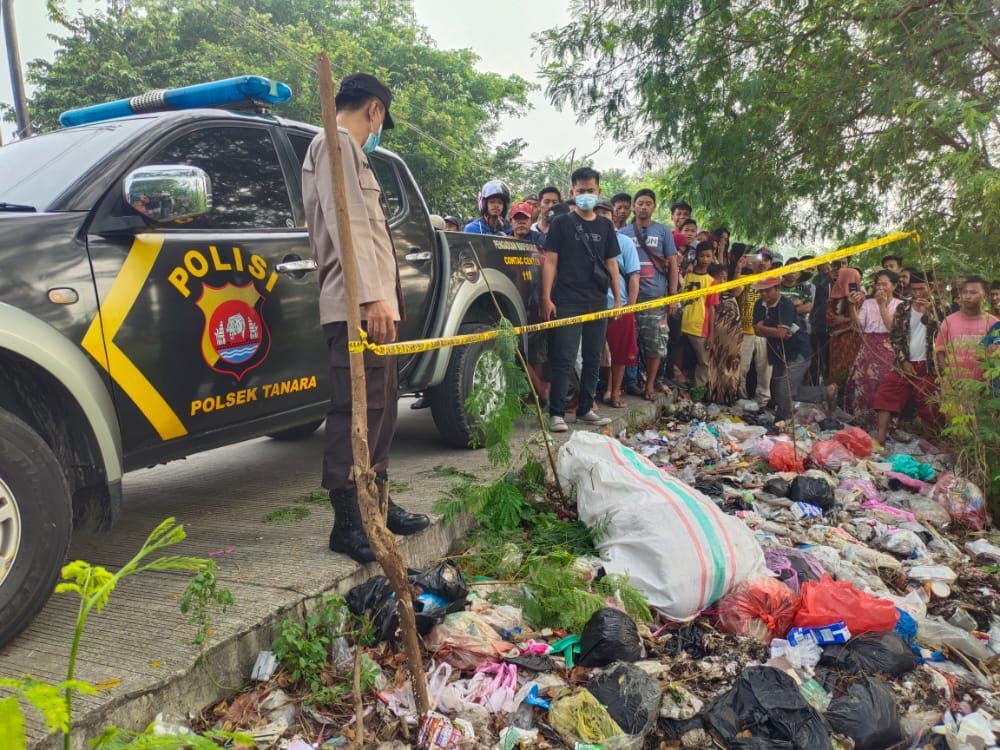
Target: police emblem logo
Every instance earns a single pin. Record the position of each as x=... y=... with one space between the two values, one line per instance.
x=236 y=338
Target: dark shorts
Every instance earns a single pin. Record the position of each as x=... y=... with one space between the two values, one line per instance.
x=622 y=340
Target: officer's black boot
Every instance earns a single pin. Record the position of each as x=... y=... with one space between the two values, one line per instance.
x=348 y=535
x=398 y=520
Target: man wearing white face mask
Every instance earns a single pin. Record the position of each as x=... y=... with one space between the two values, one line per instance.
x=362 y=114
x=580 y=266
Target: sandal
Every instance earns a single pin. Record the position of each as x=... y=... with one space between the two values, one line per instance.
x=650 y=395
x=615 y=402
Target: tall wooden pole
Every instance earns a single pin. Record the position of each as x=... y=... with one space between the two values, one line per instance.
x=373 y=508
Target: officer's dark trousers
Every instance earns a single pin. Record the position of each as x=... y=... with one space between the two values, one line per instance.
x=564 y=343
x=381 y=376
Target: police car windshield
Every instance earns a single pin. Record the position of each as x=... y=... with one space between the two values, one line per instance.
x=37 y=170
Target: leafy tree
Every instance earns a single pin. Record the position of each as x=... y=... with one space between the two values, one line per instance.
x=446 y=111
x=792 y=117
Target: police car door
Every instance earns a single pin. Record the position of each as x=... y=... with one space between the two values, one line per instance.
x=204 y=331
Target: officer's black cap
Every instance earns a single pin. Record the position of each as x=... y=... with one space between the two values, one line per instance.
x=368 y=84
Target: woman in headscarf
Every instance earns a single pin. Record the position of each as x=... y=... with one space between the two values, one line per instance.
x=845 y=341
x=873 y=320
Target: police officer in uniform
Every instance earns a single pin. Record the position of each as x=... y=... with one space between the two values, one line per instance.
x=362 y=114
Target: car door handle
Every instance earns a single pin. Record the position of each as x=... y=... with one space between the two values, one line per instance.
x=296 y=266
x=421 y=257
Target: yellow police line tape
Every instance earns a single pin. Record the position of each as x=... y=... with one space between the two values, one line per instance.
x=424 y=345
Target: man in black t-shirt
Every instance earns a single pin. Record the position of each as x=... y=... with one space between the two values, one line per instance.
x=577 y=246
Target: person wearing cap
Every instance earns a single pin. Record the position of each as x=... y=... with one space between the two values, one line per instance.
x=362 y=115
x=532 y=200
x=914 y=376
x=452 y=224
x=788 y=349
x=520 y=228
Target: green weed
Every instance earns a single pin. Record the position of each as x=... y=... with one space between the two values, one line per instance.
x=287 y=514
x=316 y=497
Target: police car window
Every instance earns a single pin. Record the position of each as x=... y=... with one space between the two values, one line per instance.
x=248 y=186
x=391 y=190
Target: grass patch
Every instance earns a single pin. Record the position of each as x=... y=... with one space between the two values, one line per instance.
x=287 y=514
x=448 y=472
x=399 y=486
x=316 y=497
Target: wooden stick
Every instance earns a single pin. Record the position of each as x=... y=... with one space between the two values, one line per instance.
x=359 y=705
x=383 y=543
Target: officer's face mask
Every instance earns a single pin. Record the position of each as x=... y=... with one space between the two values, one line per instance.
x=374 y=137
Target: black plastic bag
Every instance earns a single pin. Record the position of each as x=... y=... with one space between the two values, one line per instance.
x=631 y=696
x=690 y=639
x=777 y=486
x=871 y=653
x=767 y=703
x=867 y=714
x=533 y=662
x=376 y=599
x=610 y=635
x=760 y=743
x=710 y=487
x=828 y=424
x=812 y=490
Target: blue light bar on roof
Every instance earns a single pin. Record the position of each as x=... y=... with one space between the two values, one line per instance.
x=211 y=94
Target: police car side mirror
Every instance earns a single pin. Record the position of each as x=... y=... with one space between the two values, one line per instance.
x=169 y=193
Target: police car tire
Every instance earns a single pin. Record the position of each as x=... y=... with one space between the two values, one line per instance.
x=455 y=426
x=299 y=432
x=35 y=479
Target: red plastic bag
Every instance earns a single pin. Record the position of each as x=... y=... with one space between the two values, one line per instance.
x=856 y=440
x=829 y=601
x=784 y=457
x=963 y=500
x=762 y=608
x=830 y=455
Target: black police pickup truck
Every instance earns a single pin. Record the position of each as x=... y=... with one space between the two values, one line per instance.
x=158 y=298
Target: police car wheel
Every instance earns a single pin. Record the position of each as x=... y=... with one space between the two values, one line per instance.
x=467 y=364
x=36 y=520
x=299 y=432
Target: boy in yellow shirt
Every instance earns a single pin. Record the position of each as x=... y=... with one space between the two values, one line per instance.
x=696 y=320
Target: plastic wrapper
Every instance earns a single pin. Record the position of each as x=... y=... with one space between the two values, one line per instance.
x=865 y=486
x=785 y=457
x=815 y=490
x=765 y=704
x=903 y=463
x=963 y=500
x=465 y=641
x=830 y=455
x=856 y=440
x=935 y=633
x=793 y=566
x=762 y=608
x=804 y=655
x=610 y=635
x=871 y=653
x=867 y=714
x=631 y=696
x=829 y=601
x=579 y=717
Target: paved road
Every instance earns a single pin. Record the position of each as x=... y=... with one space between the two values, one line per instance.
x=140 y=645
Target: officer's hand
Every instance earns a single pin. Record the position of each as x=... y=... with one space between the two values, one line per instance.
x=381 y=321
x=548 y=310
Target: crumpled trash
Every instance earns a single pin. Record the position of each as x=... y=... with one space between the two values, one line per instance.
x=982 y=548
x=465 y=641
x=970 y=732
x=580 y=717
x=813 y=488
x=903 y=463
x=936 y=633
x=631 y=696
x=679 y=703
x=793 y=566
x=903 y=542
x=867 y=714
x=830 y=454
x=610 y=635
x=865 y=486
x=856 y=440
x=806 y=653
x=777 y=486
x=762 y=608
x=963 y=500
x=871 y=653
x=765 y=703
x=829 y=601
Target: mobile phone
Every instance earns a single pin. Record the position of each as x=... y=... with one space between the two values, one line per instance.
x=794 y=328
x=852 y=287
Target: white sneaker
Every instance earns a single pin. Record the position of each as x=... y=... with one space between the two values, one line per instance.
x=594 y=419
x=558 y=424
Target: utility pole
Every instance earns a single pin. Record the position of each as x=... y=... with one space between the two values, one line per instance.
x=14 y=65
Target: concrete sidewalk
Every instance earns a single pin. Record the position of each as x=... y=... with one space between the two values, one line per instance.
x=142 y=640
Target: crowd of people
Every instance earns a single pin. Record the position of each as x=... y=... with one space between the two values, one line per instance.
x=877 y=349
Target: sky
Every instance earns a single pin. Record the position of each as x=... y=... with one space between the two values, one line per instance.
x=504 y=45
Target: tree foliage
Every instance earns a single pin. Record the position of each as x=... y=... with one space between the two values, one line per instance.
x=446 y=111
x=833 y=117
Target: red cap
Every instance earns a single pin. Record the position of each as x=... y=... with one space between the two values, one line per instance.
x=520 y=208
x=767 y=283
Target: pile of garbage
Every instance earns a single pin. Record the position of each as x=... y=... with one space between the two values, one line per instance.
x=808 y=589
